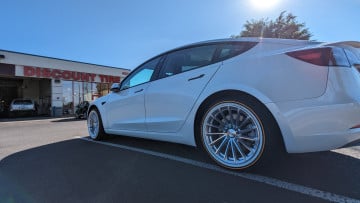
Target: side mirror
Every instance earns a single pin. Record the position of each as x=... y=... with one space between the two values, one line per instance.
x=115 y=87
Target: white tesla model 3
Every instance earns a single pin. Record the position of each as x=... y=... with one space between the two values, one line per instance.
x=240 y=99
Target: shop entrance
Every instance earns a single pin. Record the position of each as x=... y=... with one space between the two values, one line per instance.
x=38 y=90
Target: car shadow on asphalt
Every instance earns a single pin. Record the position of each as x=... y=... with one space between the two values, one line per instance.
x=319 y=170
x=71 y=170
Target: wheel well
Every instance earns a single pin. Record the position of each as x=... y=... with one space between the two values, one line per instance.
x=216 y=95
x=92 y=107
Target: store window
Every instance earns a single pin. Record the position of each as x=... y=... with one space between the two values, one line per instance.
x=78 y=93
x=87 y=91
x=67 y=99
x=75 y=92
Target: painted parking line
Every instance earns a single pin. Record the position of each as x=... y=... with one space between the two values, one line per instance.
x=352 y=152
x=258 y=178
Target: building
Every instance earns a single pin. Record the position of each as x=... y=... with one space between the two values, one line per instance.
x=55 y=85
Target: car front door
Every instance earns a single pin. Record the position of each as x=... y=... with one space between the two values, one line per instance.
x=125 y=110
x=183 y=76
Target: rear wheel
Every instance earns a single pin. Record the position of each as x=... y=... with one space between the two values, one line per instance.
x=95 y=126
x=235 y=131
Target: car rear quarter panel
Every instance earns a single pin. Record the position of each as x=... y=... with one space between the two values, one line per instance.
x=325 y=122
x=278 y=76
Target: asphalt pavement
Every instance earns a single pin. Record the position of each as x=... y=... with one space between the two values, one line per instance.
x=53 y=160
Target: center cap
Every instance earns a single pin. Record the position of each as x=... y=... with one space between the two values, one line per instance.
x=232 y=132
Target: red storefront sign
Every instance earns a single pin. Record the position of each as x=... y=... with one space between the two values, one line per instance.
x=67 y=75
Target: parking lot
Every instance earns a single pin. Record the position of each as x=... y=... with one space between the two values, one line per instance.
x=53 y=160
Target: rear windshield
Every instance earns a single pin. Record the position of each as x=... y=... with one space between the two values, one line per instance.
x=23 y=102
x=353 y=55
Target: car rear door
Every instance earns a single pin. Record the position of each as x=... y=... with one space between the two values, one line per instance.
x=182 y=78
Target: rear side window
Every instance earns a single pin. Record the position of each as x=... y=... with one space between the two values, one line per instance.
x=187 y=59
x=231 y=49
x=195 y=57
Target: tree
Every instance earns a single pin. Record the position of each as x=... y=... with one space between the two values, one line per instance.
x=285 y=26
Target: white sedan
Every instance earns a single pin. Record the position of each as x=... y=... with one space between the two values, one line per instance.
x=242 y=100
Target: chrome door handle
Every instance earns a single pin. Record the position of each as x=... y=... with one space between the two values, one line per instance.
x=197 y=77
x=140 y=90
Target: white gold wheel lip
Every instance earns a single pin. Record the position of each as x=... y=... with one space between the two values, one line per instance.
x=93 y=124
x=232 y=134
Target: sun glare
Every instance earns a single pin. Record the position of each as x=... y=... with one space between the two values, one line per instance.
x=264 y=4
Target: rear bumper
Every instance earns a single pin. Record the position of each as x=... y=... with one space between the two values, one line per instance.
x=326 y=122
x=307 y=126
x=325 y=141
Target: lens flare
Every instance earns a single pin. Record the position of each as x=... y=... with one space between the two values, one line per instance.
x=264 y=4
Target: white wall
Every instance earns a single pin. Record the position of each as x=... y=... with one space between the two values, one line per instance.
x=45 y=62
x=56 y=93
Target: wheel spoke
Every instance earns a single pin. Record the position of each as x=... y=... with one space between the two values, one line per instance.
x=215 y=134
x=213 y=126
x=238 y=116
x=233 y=150
x=221 y=145
x=247 y=147
x=227 y=150
x=218 y=139
x=248 y=138
x=231 y=117
x=222 y=114
x=247 y=130
x=219 y=121
x=239 y=149
x=245 y=121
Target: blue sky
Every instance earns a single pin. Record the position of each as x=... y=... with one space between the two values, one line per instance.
x=123 y=33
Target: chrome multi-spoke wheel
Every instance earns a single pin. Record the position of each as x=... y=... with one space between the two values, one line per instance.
x=94 y=124
x=232 y=134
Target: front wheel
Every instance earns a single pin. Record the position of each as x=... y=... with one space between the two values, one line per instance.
x=95 y=126
x=234 y=132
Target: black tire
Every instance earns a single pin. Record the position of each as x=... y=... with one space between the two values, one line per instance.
x=95 y=125
x=264 y=134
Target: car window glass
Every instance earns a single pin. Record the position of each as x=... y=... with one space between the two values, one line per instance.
x=339 y=57
x=229 y=50
x=142 y=75
x=187 y=59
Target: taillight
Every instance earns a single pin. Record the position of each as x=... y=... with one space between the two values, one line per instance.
x=326 y=56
